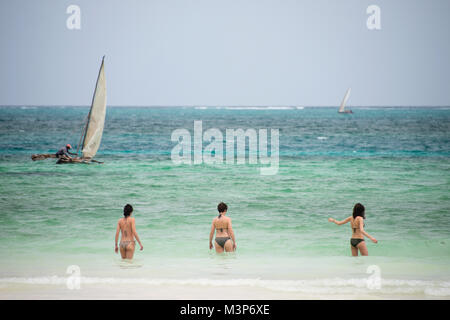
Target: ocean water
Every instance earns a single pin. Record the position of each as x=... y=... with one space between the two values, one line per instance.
x=395 y=161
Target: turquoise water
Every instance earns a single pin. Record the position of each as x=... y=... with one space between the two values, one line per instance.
x=394 y=161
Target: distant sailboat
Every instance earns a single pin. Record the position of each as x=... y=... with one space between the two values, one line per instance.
x=344 y=101
x=93 y=129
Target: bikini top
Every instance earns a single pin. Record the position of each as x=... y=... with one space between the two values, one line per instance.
x=221 y=229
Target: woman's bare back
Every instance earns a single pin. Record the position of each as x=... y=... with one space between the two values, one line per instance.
x=126 y=229
x=355 y=225
x=221 y=226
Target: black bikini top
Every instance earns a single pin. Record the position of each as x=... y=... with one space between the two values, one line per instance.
x=221 y=229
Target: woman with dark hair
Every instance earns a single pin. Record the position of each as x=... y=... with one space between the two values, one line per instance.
x=127 y=226
x=224 y=232
x=357 y=223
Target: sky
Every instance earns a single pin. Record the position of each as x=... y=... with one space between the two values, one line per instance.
x=226 y=52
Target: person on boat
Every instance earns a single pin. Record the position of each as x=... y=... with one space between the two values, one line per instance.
x=127 y=226
x=65 y=153
x=357 y=223
x=221 y=224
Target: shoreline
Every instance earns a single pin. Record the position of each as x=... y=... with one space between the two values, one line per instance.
x=177 y=292
x=94 y=288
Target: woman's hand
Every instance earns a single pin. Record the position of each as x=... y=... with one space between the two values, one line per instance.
x=234 y=246
x=331 y=220
x=374 y=240
x=142 y=247
x=210 y=245
x=116 y=249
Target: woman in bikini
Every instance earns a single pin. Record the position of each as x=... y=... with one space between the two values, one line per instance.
x=357 y=223
x=127 y=226
x=224 y=232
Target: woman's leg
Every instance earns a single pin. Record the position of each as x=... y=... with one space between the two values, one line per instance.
x=363 y=248
x=354 y=251
x=130 y=250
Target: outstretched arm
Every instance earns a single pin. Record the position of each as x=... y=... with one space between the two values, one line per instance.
x=211 y=234
x=67 y=153
x=116 y=249
x=361 y=228
x=339 y=222
x=136 y=235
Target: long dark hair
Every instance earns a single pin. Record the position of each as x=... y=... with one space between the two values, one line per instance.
x=221 y=207
x=359 y=211
x=127 y=210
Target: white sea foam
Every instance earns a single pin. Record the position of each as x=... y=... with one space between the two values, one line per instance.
x=280 y=108
x=313 y=287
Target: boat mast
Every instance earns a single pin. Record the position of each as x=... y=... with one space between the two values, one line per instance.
x=83 y=133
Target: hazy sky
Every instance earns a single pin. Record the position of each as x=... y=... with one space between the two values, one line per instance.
x=226 y=52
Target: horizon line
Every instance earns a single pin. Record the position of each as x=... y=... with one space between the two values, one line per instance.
x=228 y=106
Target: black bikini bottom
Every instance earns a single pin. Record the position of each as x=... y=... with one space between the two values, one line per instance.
x=354 y=242
x=221 y=241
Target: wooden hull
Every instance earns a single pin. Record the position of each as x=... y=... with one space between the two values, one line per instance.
x=77 y=160
x=44 y=156
x=72 y=160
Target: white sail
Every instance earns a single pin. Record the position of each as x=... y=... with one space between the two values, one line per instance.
x=96 y=120
x=344 y=101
